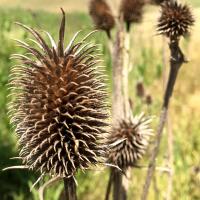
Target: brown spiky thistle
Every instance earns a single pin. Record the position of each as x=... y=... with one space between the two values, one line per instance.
x=133 y=137
x=131 y=11
x=175 y=20
x=102 y=16
x=59 y=105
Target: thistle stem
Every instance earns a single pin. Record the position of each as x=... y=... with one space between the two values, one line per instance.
x=110 y=181
x=120 y=106
x=119 y=189
x=177 y=59
x=70 y=188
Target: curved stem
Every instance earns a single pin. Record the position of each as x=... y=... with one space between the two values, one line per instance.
x=177 y=59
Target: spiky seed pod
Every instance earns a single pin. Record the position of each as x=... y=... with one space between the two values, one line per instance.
x=59 y=105
x=102 y=16
x=131 y=11
x=175 y=20
x=131 y=139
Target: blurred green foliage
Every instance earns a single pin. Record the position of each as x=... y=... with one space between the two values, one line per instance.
x=14 y=185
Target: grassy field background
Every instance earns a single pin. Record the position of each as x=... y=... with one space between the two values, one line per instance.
x=147 y=59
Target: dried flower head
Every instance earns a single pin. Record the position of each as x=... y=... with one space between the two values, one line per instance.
x=102 y=15
x=140 y=91
x=131 y=139
x=58 y=107
x=148 y=99
x=175 y=20
x=132 y=11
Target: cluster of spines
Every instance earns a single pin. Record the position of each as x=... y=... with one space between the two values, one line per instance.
x=58 y=105
x=175 y=20
x=131 y=138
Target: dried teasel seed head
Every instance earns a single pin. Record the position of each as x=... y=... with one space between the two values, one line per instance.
x=148 y=99
x=102 y=16
x=140 y=91
x=129 y=141
x=131 y=11
x=175 y=20
x=59 y=105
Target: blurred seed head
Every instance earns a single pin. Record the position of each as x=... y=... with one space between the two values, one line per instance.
x=59 y=105
x=158 y=2
x=102 y=16
x=175 y=20
x=131 y=11
x=148 y=99
x=140 y=91
x=131 y=139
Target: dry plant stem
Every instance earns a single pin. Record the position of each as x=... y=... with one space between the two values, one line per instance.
x=156 y=189
x=117 y=99
x=169 y=131
x=177 y=59
x=120 y=99
x=108 y=190
x=170 y=159
x=117 y=103
x=126 y=59
x=119 y=189
x=70 y=188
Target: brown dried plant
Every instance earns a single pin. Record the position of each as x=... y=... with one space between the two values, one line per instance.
x=175 y=21
x=59 y=107
x=102 y=16
x=131 y=11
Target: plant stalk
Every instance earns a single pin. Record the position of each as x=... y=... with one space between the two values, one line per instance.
x=176 y=61
x=170 y=144
x=170 y=159
x=120 y=105
x=120 y=183
x=110 y=181
x=70 y=188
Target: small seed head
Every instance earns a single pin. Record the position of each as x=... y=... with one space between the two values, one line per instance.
x=102 y=15
x=140 y=91
x=132 y=11
x=131 y=139
x=175 y=20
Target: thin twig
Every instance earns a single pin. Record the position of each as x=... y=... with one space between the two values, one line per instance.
x=156 y=189
x=177 y=59
x=168 y=130
x=170 y=159
x=108 y=190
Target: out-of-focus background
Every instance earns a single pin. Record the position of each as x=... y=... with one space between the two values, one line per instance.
x=147 y=53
